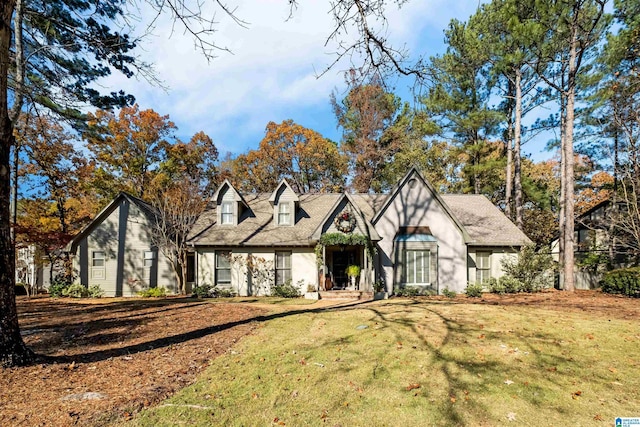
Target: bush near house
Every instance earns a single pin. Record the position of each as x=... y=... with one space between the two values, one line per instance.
x=473 y=290
x=623 y=281
x=153 y=293
x=75 y=291
x=286 y=290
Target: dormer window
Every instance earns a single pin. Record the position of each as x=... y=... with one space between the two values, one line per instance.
x=226 y=217
x=284 y=214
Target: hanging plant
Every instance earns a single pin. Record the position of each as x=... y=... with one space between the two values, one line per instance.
x=345 y=221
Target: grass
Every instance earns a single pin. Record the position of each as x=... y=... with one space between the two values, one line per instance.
x=419 y=363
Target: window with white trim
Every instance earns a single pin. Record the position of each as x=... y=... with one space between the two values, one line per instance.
x=416 y=266
x=226 y=216
x=149 y=256
x=483 y=266
x=283 y=267
x=223 y=268
x=284 y=213
x=98 y=259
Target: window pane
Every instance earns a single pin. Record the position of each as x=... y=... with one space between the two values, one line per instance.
x=417 y=266
x=222 y=260
x=284 y=214
x=283 y=267
x=223 y=276
x=98 y=259
x=227 y=213
x=223 y=268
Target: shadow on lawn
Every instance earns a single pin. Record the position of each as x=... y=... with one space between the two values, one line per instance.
x=106 y=324
x=461 y=373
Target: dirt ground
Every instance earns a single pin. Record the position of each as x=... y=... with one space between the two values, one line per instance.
x=133 y=352
x=136 y=352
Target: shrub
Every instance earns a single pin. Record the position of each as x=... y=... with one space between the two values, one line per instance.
x=473 y=290
x=204 y=291
x=495 y=286
x=504 y=285
x=222 y=293
x=624 y=281
x=449 y=293
x=286 y=290
x=96 y=291
x=76 y=291
x=58 y=285
x=153 y=293
x=511 y=284
x=408 y=291
x=530 y=268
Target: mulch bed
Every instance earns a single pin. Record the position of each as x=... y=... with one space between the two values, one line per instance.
x=133 y=352
x=136 y=352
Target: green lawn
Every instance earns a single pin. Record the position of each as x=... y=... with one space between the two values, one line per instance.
x=419 y=363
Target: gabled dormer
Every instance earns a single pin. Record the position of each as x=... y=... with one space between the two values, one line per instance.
x=229 y=204
x=285 y=203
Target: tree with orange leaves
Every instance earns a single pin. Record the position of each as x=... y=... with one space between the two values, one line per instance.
x=310 y=162
x=127 y=148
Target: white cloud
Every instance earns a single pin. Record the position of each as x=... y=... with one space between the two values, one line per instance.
x=271 y=73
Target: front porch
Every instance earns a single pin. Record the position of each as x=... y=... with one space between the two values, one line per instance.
x=336 y=261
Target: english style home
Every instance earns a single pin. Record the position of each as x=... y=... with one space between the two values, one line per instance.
x=412 y=236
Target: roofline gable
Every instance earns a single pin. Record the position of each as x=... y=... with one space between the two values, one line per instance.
x=371 y=231
x=103 y=214
x=237 y=196
x=282 y=183
x=394 y=192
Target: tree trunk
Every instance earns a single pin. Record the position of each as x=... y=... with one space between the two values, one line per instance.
x=508 y=188
x=567 y=181
x=517 y=158
x=13 y=351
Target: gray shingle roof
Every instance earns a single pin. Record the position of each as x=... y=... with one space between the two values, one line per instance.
x=257 y=227
x=484 y=222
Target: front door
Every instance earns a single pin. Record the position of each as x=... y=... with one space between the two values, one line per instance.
x=342 y=259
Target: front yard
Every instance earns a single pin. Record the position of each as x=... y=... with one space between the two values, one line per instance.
x=546 y=359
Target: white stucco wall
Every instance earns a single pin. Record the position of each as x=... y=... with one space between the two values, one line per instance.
x=303 y=268
x=497 y=254
x=416 y=206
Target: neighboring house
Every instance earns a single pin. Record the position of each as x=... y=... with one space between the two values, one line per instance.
x=593 y=247
x=116 y=252
x=412 y=236
x=33 y=270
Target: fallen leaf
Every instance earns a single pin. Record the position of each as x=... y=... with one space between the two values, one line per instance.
x=413 y=386
x=453 y=399
x=589 y=336
x=598 y=417
x=614 y=370
x=576 y=394
x=481 y=336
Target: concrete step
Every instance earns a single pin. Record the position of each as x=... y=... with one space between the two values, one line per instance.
x=346 y=295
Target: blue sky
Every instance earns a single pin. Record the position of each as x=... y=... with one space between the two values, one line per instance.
x=271 y=73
